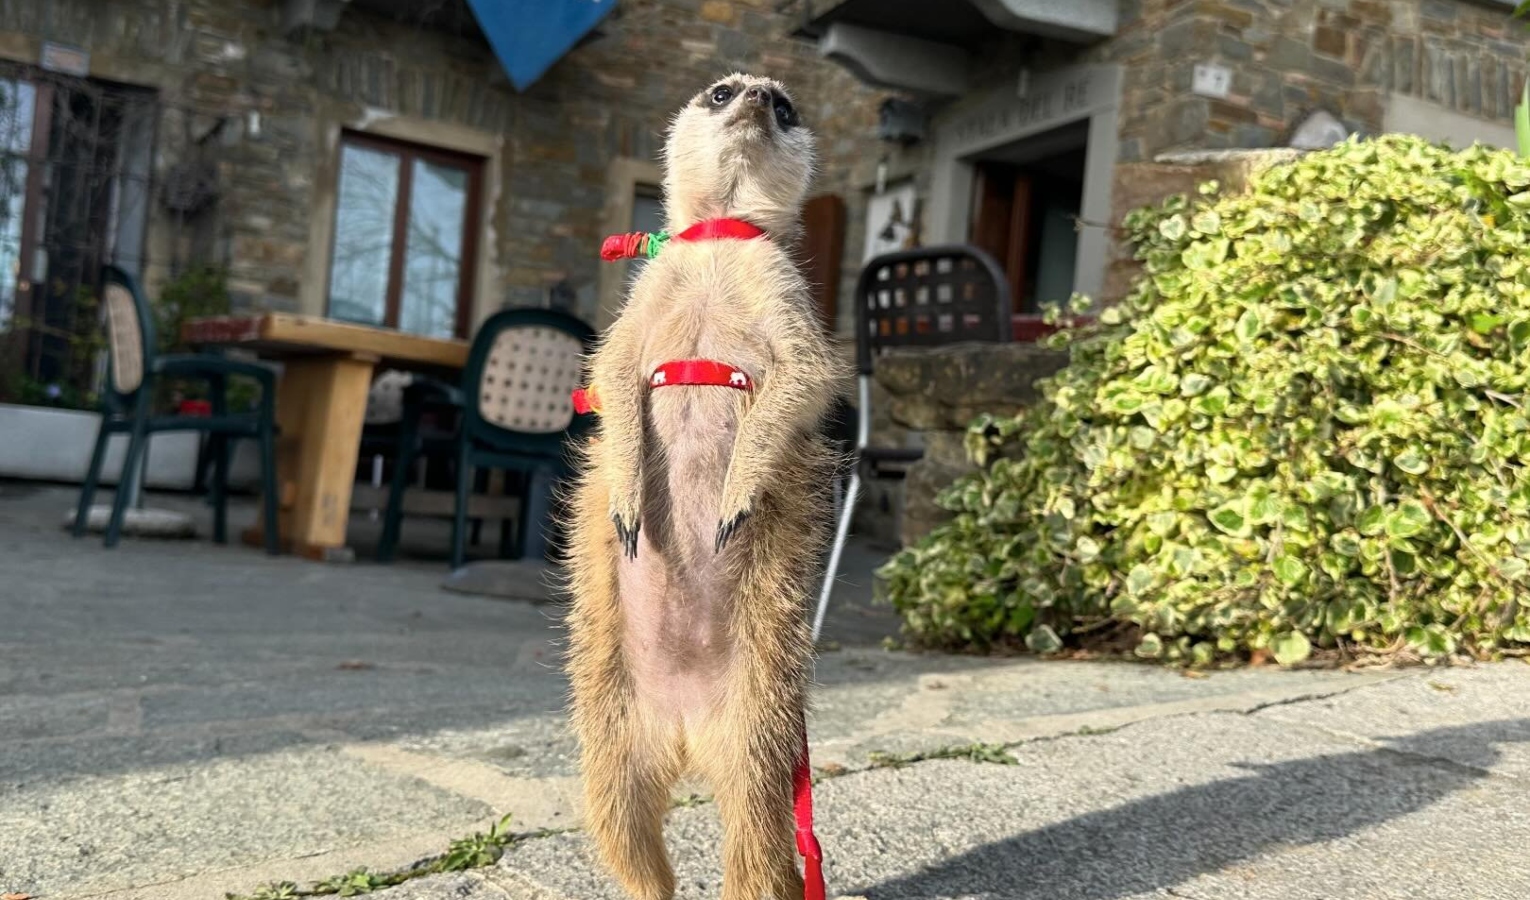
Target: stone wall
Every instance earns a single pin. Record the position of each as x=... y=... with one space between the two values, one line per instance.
x=938 y=393
x=549 y=149
x=1290 y=58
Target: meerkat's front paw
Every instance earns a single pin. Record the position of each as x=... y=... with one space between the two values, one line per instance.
x=626 y=534
x=729 y=527
x=736 y=507
x=627 y=517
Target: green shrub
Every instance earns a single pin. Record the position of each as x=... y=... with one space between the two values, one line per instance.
x=1304 y=428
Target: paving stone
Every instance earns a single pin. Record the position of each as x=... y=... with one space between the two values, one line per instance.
x=1206 y=807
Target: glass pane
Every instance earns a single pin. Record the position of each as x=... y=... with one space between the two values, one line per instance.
x=647 y=215
x=358 y=273
x=17 y=103
x=433 y=254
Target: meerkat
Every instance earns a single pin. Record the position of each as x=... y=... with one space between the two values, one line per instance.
x=697 y=520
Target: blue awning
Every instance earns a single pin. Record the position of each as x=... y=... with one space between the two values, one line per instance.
x=529 y=36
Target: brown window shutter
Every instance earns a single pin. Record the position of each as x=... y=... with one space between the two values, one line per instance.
x=823 y=247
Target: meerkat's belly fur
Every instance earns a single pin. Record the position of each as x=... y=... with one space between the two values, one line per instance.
x=686 y=659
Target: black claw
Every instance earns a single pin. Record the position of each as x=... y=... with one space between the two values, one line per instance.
x=627 y=536
x=727 y=530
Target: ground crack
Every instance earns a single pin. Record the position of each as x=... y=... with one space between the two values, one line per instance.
x=1316 y=695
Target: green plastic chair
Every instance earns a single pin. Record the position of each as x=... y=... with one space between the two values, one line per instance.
x=517 y=412
x=126 y=408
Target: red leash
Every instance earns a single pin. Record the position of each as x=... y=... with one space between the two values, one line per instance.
x=807 y=842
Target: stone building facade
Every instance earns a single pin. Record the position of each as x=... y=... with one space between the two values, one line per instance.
x=1028 y=127
x=1371 y=63
x=254 y=101
x=1097 y=85
x=1031 y=127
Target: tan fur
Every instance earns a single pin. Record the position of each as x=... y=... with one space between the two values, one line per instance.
x=687 y=658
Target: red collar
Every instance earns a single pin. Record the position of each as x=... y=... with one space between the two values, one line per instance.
x=646 y=244
x=717 y=229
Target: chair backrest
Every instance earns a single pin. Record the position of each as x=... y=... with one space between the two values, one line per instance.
x=129 y=332
x=522 y=370
x=929 y=297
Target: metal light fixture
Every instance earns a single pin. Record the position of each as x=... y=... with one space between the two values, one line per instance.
x=901 y=122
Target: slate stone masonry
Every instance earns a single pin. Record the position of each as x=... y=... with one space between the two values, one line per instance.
x=1290 y=58
x=217 y=60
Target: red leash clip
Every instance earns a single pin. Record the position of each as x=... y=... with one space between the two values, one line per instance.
x=586 y=400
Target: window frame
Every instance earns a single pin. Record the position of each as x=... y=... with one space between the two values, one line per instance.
x=626 y=177
x=408 y=152
x=23 y=299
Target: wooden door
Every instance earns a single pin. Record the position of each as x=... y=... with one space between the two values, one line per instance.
x=1001 y=222
x=823 y=244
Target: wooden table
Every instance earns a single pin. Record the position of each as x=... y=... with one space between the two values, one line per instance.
x=321 y=405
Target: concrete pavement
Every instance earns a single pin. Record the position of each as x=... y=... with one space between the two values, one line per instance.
x=1410 y=788
x=178 y=720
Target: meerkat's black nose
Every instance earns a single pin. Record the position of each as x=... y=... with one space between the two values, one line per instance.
x=758 y=96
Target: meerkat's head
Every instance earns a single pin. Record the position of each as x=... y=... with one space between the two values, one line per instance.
x=739 y=149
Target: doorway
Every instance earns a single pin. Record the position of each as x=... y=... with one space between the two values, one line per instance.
x=1026 y=200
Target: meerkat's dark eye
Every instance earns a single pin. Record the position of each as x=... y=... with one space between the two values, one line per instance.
x=786 y=116
x=721 y=95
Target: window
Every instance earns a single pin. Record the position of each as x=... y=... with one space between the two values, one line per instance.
x=17 y=106
x=405 y=237
x=634 y=202
x=75 y=163
x=647 y=215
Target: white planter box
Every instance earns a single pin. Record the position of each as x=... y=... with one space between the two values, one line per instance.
x=42 y=444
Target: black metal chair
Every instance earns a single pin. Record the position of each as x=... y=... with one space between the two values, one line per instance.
x=134 y=371
x=517 y=412
x=435 y=427
x=928 y=297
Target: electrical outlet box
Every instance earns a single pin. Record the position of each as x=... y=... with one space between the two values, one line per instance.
x=1212 y=80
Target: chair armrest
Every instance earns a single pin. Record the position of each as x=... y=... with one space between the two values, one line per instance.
x=209 y=366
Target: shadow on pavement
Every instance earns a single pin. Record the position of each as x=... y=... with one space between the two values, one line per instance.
x=1168 y=839
x=164 y=652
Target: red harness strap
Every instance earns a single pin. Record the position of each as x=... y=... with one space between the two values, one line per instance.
x=700 y=372
x=585 y=400
x=705 y=372
x=807 y=842
x=685 y=371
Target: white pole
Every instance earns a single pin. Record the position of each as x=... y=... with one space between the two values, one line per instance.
x=852 y=493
